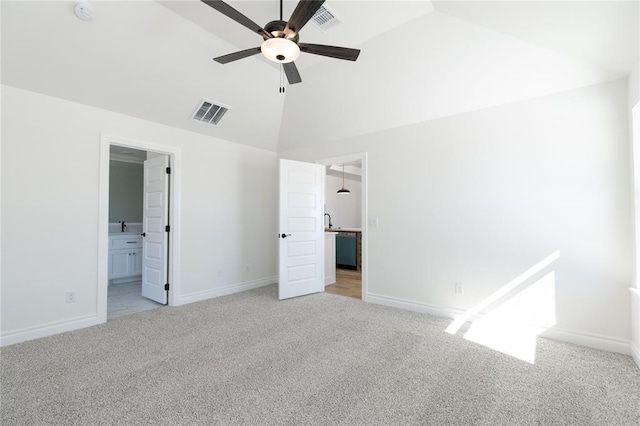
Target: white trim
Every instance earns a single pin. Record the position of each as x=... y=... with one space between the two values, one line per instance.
x=364 y=209
x=590 y=340
x=49 y=329
x=225 y=291
x=635 y=324
x=635 y=354
x=410 y=305
x=635 y=186
x=595 y=341
x=175 y=163
x=118 y=160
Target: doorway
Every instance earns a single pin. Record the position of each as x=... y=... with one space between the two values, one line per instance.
x=125 y=293
x=345 y=231
x=138 y=227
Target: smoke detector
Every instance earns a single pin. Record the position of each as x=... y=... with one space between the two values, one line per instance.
x=84 y=11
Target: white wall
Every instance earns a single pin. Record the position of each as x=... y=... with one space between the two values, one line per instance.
x=50 y=209
x=467 y=68
x=488 y=194
x=345 y=210
x=634 y=106
x=634 y=158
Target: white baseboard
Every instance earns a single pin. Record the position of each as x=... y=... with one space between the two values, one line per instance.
x=410 y=305
x=635 y=324
x=52 y=328
x=48 y=329
x=635 y=354
x=225 y=291
x=590 y=340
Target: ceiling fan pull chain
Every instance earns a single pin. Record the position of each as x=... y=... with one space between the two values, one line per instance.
x=281 y=89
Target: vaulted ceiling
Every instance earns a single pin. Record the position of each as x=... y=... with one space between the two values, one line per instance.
x=420 y=60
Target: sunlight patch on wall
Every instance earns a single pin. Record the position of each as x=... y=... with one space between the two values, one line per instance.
x=510 y=319
x=493 y=298
x=513 y=327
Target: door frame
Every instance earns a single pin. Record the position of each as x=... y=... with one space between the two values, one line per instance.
x=364 y=207
x=175 y=159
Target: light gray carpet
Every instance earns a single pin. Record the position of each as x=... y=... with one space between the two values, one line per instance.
x=320 y=359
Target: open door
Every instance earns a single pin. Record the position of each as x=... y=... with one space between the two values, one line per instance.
x=301 y=229
x=155 y=242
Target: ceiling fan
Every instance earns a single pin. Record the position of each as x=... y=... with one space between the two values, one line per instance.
x=280 y=37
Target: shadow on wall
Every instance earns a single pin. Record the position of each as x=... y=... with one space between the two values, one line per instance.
x=510 y=319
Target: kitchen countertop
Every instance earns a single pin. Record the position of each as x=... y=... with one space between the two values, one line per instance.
x=124 y=234
x=344 y=229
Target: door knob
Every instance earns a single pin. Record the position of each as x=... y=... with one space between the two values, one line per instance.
x=144 y=234
x=285 y=235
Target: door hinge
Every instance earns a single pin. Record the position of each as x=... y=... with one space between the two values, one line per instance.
x=168 y=170
x=167 y=228
x=166 y=287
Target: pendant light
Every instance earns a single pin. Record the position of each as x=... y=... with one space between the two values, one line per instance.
x=343 y=190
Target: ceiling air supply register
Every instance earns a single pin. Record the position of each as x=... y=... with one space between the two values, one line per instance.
x=209 y=112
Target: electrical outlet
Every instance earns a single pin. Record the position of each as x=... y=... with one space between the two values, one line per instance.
x=71 y=297
x=374 y=223
x=459 y=288
x=247 y=268
x=220 y=273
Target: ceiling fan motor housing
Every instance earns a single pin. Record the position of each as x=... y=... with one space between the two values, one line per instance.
x=276 y=29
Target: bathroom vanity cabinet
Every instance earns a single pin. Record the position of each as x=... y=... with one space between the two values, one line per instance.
x=125 y=257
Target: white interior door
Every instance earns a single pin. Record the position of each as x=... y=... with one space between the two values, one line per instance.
x=155 y=243
x=301 y=229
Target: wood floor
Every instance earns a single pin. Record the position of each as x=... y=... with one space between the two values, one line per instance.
x=348 y=283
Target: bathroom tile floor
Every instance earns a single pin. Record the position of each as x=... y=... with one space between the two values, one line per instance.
x=126 y=299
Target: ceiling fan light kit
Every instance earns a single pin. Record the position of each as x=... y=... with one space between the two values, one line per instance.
x=280 y=50
x=281 y=38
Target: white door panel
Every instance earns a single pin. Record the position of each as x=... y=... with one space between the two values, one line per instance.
x=301 y=250
x=155 y=218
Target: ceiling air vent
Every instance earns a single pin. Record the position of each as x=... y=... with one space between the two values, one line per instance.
x=210 y=112
x=325 y=18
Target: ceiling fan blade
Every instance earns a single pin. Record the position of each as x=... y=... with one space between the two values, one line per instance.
x=292 y=73
x=229 y=11
x=331 y=51
x=301 y=15
x=225 y=59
